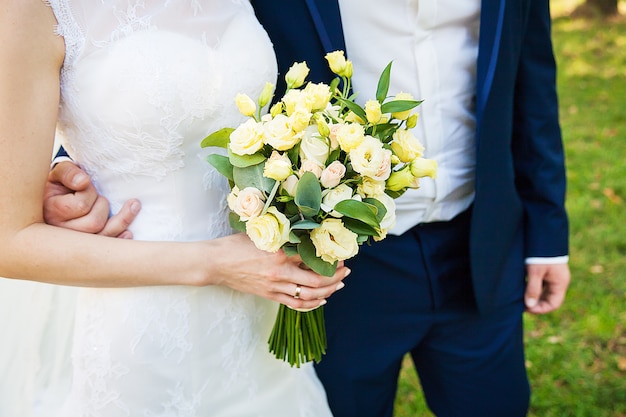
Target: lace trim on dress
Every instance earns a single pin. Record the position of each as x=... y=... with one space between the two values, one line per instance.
x=68 y=28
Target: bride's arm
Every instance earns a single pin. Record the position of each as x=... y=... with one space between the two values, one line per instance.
x=30 y=60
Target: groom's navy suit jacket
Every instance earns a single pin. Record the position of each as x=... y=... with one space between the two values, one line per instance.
x=518 y=210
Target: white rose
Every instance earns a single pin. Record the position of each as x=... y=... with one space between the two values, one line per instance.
x=231 y=199
x=370 y=159
x=406 y=146
x=389 y=220
x=279 y=134
x=270 y=231
x=249 y=203
x=349 y=135
x=277 y=167
x=247 y=138
x=333 y=241
x=290 y=184
x=330 y=198
x=332 y=174
x=312 y=146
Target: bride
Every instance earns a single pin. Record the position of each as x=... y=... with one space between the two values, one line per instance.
x=174 y=322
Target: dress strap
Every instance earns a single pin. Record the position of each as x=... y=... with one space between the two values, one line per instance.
x=68 y=28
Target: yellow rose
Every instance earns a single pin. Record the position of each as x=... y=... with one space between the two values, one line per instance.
x=411 y=122
x=349 y=135
x=247 y=138
x=332 y=174
x=337 y=62
x=300 y=119
x=279 y=134
x=422 y=167
x=296 y=99
x=296 y=75
x=318 y=95
x=270 y=231
x=333 y=241
x=249 y=203
x=312 y=146
x=370 y=187
x=371 y=159
x=277 y=167
x=353 y=118
x=372 y=111
x=245 y=104
x=402 y=179
x=406 y=146
x=404 y=114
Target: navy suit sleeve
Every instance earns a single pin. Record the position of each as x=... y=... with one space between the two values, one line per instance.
x=537 y=145
x=61 y=152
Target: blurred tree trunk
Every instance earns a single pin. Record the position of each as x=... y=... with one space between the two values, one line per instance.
x=604 y=7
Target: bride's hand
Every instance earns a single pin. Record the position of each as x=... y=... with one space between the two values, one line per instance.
x=275 y=276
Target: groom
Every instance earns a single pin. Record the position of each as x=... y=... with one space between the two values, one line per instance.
x=471 y=250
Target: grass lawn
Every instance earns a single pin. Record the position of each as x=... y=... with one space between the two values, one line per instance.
x=576 y=357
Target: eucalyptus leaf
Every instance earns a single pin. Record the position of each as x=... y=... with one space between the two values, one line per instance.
x=290 y=250
x=383 y=84
x=306 y=250
x=294 y=238
x=221 y=164
x=243 y=161
x=308 y=195
x=358 y=210
x=219 y=139
x=305 y=225
x=235 y=223
x=252 y=176
x=399 y=105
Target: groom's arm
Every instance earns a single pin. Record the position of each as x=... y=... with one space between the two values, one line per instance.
x=71 y=201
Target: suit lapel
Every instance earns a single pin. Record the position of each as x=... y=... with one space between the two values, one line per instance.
x=491 y=21
x=327 y=20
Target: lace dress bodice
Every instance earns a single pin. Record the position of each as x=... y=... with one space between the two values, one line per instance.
x=143 y=82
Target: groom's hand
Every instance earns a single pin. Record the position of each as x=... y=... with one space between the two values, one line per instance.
x=71 y=201
x=546 y=287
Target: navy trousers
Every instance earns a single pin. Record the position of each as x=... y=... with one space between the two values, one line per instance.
x=413 y=294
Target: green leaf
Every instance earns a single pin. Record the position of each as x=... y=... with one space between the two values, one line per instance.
x=305 y=225
x=381 y=210
x=252 y=176
x=219 y=138
x=243 y=161
x=355 y=108
x=308 y=195
x=358 y=227
x=293 y=238
x=221 y=164
x=235 y=223
x=306 y=250
x=396 y=106
x=383 y=84
x=291 y=250
x=358 y=210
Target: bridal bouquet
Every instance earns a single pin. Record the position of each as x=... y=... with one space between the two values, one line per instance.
x=316 y=176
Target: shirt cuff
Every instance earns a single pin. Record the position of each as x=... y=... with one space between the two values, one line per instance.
x=547 y=260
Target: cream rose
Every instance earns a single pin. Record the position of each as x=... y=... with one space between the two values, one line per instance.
x=270 y=231
x=245 y=104
x=311 y=165
x=406 y=146
x=277 y=167
x=389 y=220
x=290 y=184
x=312 y=146
x=331 y=197
x=333 y=241
x=247 y=139
x=371 y=159
x=370 y=187
x=249 y=203
x=332 y=174
x=279 y=134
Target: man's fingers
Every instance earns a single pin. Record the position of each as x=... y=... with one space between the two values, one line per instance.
x=118 y=224
x=534 y=287
x=70 y=175
x=94 y=221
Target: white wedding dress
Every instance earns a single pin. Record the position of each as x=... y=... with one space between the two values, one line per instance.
x=143 y=82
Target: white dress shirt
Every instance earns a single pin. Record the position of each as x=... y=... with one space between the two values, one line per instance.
x=434 y=47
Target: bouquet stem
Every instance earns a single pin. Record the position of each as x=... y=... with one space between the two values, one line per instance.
x=298 y=337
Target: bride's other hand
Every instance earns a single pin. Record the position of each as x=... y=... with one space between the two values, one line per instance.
x=275 y=276
x=71 y=201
